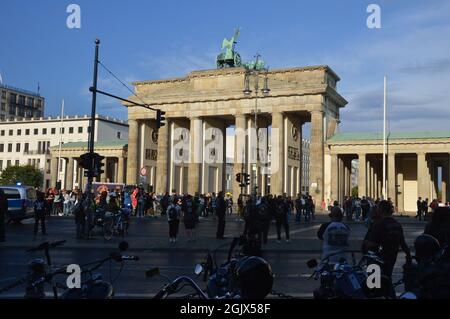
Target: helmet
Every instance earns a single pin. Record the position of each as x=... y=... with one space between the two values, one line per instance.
x=254 y=276
x=426 y=247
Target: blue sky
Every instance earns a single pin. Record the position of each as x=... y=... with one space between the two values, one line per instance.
x=144 y=40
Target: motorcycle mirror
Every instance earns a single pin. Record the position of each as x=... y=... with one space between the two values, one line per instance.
x=312 y=263
x=123 y=246
x=198 y=269
x=152 y=272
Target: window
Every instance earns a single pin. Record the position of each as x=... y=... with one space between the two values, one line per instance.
x=30 y=101
x=3 y=106
x=44 y=131
x=19 y=132
x=17 y=163
x=26 y=147
x=53 y=130
x=11 y=118
x=11 y=132
x=2 y=132
x=2 y=148
x=9 y=147
x=2 y=117
x=18 y=147
x=61 y=130
x=8 y=163
x=3 y=94
x=80 y=129
x=1 y=165
x=21 y=100
x=27 y=131
x=39 y=146
x=12 y=193
x=70 y=130
x=36 y=131
x=119 y=135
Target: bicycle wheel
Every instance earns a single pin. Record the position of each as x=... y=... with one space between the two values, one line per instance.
x=108 y=226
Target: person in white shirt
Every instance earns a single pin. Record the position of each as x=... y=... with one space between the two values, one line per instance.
x=335 y=235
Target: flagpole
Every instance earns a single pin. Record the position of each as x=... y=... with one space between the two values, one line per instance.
x=60 y=139
x=384 y=137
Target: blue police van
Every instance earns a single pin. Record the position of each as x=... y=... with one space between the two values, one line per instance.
x=20 y=202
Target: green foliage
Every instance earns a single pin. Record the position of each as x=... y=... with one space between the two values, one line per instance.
x=27 y=175
x=355 y=191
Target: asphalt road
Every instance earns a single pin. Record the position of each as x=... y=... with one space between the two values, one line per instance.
x=148 y=239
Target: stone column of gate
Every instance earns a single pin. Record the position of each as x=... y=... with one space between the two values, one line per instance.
x=391 y=179
x=120 y=169
x=362 y=175
x=162 y=159
x=334 y=178
x=54 y=171
x=445 y=181
x=423 y=176
x=195 y=155
x=340 y=198
x=300 y=169
x=104 y=176
x=69 y=174
x=278 y=154
x=239 y=152
x=133 y=140
x=317 y=157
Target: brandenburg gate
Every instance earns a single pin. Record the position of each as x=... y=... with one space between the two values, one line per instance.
x=188 y=154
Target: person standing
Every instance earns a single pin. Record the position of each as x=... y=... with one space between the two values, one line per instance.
x=40 y=209
x=189 y=217
x=221 y=207
x=173 y=218
x=281 y=217
x=80 y=215
x=419 y=208
x=3 y=213
x=385 y=237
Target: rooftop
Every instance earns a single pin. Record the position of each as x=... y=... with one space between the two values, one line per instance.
x=373 y=136
x=70 y=118
x=98 y=145
x=12 y=88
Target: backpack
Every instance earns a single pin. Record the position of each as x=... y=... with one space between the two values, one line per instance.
x=173 y=213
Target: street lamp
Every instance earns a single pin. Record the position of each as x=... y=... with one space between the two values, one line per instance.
x=255 y=71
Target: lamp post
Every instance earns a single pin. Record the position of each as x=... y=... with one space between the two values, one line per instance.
x=255 y=71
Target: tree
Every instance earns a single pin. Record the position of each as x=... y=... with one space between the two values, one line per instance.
x=27 y=175
x=355 y=191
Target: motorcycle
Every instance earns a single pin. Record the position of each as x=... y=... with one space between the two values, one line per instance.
x=240 y=277
x=344 y=281
x=41 y=274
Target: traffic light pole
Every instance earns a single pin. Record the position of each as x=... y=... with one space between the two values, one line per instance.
x=92 y=123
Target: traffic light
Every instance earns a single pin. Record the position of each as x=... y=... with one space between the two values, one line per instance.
x=85 y=161
x=160 y=118
x=238 y=177
x=246 y=179
x=98 y=165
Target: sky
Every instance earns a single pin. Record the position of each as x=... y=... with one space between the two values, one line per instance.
x=144 y=40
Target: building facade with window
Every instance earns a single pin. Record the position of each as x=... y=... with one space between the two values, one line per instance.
x=28 y=141
x=20 y=104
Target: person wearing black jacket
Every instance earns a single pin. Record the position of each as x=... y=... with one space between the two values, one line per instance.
x=439 y=227
x=3 y=212
x=385 y=237
x=221 y=212
x=281 y=218
x=40 y=209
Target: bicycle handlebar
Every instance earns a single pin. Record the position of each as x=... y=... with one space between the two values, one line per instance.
x=47 y=245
